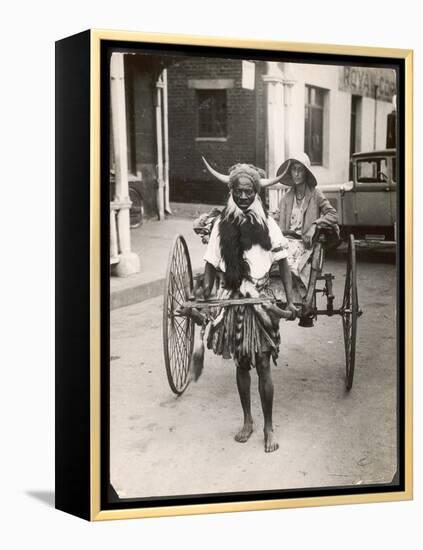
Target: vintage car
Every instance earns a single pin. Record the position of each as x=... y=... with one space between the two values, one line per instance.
x=367 y=205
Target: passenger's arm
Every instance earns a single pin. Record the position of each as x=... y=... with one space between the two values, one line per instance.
x=328 y=214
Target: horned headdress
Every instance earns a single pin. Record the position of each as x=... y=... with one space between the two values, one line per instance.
x=248 y=170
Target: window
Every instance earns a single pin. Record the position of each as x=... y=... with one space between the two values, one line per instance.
x=212 y=113
x=313 y=128
x=372 y=171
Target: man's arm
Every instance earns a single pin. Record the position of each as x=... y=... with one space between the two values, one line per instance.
x=209 y=278
x=286 y=278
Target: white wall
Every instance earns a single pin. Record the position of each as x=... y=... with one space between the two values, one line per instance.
x=337 y=122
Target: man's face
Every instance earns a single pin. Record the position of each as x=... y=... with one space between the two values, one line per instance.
x=243 y=192
x=298 y=173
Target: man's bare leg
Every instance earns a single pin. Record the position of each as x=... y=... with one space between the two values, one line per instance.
x=266 y=397
x=243 y=381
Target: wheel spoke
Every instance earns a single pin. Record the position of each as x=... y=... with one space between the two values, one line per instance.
x=179 y=356
x=349 y=313
x=177 y=345
x=177 y=331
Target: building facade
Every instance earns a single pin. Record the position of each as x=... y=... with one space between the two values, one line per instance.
x=216 y=113
x=167 y=112
x=262 y=112
x=139 y=182
x=337 y=111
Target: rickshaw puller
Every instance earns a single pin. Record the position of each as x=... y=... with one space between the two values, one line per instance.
x=243 y=245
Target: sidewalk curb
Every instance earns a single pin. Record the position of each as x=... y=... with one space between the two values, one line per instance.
x=134 y=294
x=141 y=292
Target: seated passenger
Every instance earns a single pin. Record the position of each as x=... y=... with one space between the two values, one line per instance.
x=302 y=210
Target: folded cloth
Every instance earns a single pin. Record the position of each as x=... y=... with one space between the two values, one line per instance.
x=203 y=225
x=300 y=266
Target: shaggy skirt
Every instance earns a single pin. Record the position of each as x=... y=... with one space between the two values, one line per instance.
x=238 y=332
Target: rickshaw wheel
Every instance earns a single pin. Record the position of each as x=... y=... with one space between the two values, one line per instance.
x=178 y=331
x=350 y=311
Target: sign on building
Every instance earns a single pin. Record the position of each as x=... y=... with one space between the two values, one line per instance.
x=368 y=82
x=248 y=75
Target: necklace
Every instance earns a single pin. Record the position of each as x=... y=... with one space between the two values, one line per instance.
x=299 y=199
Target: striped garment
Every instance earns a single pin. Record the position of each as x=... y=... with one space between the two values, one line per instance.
x=242 y=332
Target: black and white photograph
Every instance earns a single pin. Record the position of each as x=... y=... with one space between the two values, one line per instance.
x=253 y=275
x=211 y=270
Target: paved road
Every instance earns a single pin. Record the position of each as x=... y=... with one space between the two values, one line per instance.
x=165 y=445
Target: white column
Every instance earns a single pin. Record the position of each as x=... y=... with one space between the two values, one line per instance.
x=288 y=82
x=128 y=261
x=275 y=131
x=275 y=135
x=159 y=140
x=114 y=249
x=166 y=144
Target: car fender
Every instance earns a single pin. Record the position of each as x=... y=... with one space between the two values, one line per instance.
x=335 y=194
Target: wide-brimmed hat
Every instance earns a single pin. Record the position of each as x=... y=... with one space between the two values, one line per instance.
x=285 y=170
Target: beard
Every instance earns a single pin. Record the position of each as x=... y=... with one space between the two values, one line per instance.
x=255 y=213
x=239 y=231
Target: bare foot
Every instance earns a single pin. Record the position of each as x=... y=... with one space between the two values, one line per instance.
x=244 y=433
x=270 y=443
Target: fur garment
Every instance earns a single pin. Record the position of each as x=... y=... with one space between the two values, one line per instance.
x=239 y=230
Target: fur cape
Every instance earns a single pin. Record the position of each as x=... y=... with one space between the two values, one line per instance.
x=239 y=231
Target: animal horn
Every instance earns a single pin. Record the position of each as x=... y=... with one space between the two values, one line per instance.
x=267 y=182
x=218 y=175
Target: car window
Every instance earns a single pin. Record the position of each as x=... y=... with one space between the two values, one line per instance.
x=372 y=170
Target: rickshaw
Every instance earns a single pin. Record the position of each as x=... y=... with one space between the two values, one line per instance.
x=179 y=325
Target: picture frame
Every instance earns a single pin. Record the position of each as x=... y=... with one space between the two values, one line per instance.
x=84 y=244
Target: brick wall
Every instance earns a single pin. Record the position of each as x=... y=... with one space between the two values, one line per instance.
x=189 y=180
